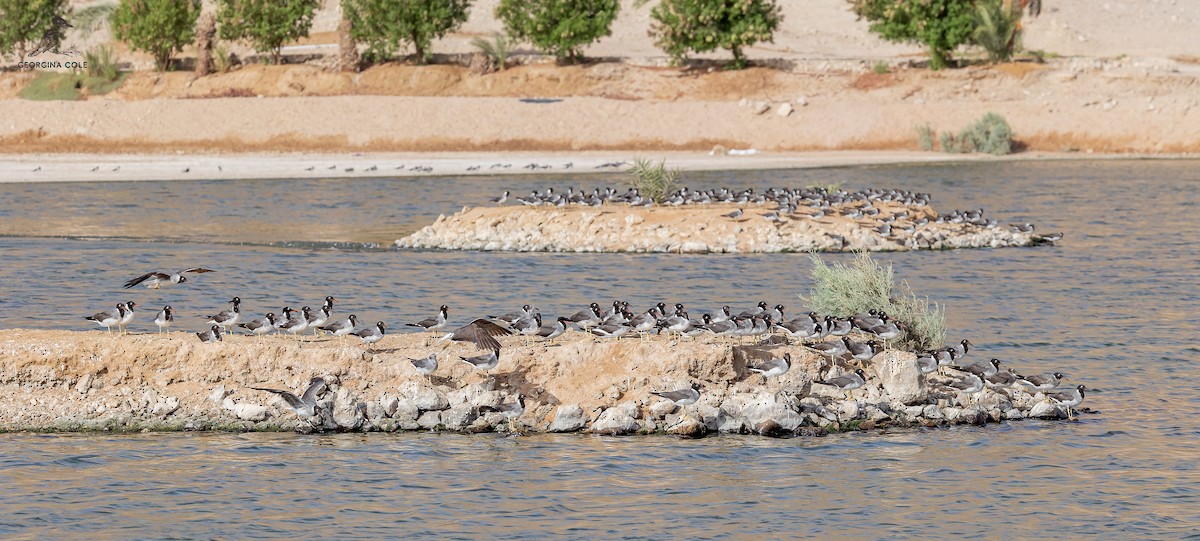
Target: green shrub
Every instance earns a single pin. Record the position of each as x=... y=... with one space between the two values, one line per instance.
x=497 y=49
x=22 y=23
x=559 y=27
x=384 y=24
x=222 y=58
x=682 y=26
x=101 y=63
x=91 y=18
x=653 y=180
x=996 y=28
x=990 y=134
x=159 y=27
x=843 y=290
x=266 y=24
x=925 y=135
x=940 y=25
x=880 y=67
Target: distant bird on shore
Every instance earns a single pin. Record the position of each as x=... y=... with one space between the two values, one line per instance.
x=1042 y=382
x=97 y=168
x=108 y=318
x=117 y=168
x=127 y=317
x=682 y=397
x=38 y=168
x=1068 y=398
x=213 y=334
x=473 y=168
x=733 y=215
x=165 y=318
x=226 y=319
x=503 y=197
x=304 y=405
x=260 y=325
x=426 y=366
x=772 y=367
x=310 y=168
x=158 y=279
x=484 y=362
x=848 y=382
x=433 y=323
x=370 y=335
x=1022 y=228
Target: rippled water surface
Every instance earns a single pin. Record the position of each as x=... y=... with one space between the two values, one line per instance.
x=1115 y=306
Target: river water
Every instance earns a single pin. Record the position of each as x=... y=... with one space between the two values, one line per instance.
x=1115 y=306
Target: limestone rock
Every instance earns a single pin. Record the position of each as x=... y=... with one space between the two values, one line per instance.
x=615 y=422
x=900 y=377
x=430 y=420
x=423 y=398
x=458 y=417
x=250 y=412
x=761 y=107
x=784 y=110
x=569 y=418
x=662 y=408
x=165 y=407
x=1046 y=410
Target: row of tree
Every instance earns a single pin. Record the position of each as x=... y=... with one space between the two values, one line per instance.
x=563 y=28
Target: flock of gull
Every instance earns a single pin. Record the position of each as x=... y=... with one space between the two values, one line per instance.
x=789 y=203
x=847 y=342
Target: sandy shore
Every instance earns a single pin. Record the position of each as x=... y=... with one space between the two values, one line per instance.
x=64 y=380
x=43 y=167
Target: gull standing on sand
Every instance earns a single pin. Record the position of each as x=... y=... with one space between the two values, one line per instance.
x=426 y=366
x=165 y=317
x=370 y=335
x=127 y=317
x=343 y=327
x=772 y=367
x=227 y=318
x=682 y=397
x=211 y=335
x=108 y=318
x=261 y=325
x=433 y=323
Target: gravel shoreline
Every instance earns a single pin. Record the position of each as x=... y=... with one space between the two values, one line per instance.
x=84 y=381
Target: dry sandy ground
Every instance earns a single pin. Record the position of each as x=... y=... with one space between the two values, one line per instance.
x=1126 y=83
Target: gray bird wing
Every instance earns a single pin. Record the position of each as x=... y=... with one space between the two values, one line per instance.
x=197 y=270
x=314 y=390
x=287 y=396
x=145 y=277
x=480 y=332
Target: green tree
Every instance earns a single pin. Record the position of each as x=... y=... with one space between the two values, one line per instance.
x=996 y=28
x=384 y=24
x=266 y=24
x=559 y=27
x=941 y=25
x=159 y=27
x=704 y=25
x=24 y=22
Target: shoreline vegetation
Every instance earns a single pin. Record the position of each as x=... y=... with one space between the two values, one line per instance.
x=55 y=380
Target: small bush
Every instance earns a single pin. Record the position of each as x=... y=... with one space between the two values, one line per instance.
x=682 y=26
x=50 y=86
x=101 y=63
x=652 y=179
x=223 y=61
x=843 y=290
x=880 y=67
x=383 y=24
x=559 y=27
x=925 y=134
x=990 y=134
x=159 y=27
x=497 y=49
x=266 y=24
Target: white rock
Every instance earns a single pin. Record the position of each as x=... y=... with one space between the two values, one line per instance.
x=802 y=101
x=848 y=410
x=569 y=418
x=423 y=398
x=761 y=107
x=662 y=408
x=1014 y=414
x=218 y=394
x=784 y=110
x=165 y=407
x=84 y=384
x=614 y=422
x=1046 y=409
x=458 y=417
x=429 y=420
x=250 y=412
x=932 y=411
x=900 y=377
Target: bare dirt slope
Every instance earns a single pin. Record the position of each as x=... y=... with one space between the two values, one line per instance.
x=1127 y=83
